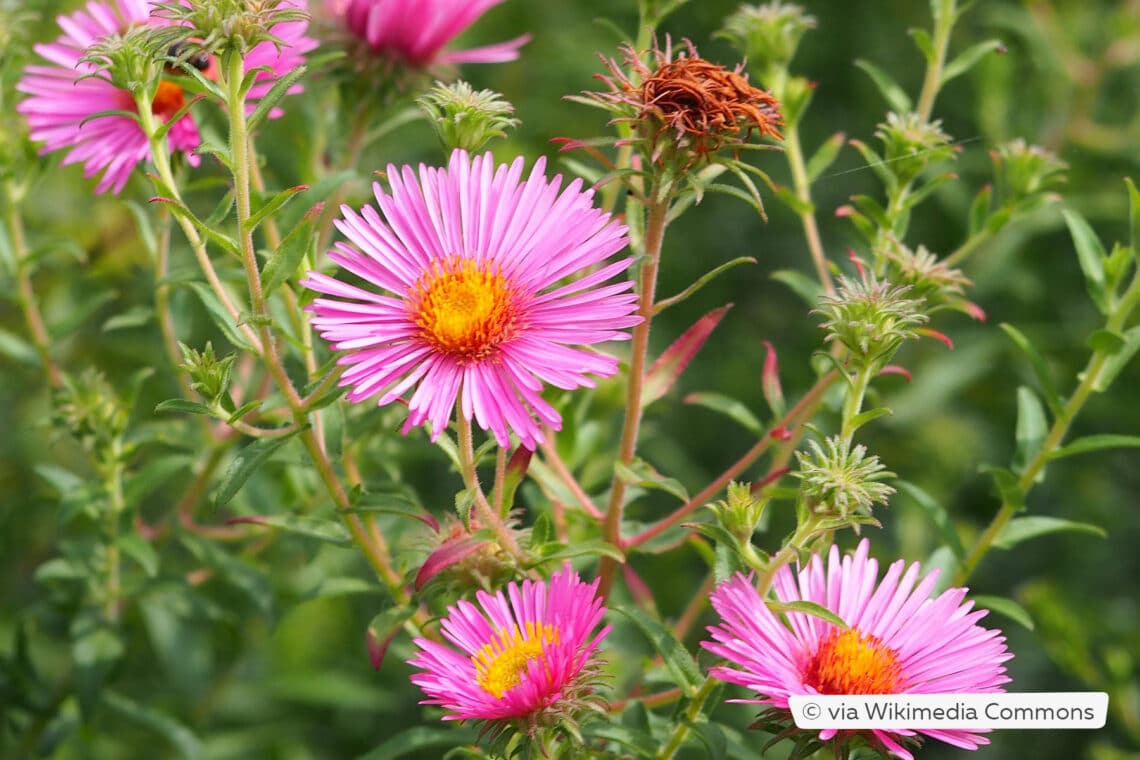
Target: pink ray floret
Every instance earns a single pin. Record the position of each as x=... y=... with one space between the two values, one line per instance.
x=417 y=31
x=543 y=669
x=933 y=643
x=62 y=100
x=470 y=300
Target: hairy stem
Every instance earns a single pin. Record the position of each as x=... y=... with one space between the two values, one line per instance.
x=793 y=151
x=26 y=294
x=656 y=219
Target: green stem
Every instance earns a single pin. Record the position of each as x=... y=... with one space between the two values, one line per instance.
x=657 y=215
x=486 y=513
x=853 y=404
x=793 y=151
x=944 y=17
x=692 y=713
x=1090 y=378
x=26 y=294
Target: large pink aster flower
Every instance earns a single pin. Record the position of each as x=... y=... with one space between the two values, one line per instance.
x=470 y=258
x=63 y=100
x=520 y=655
x=900 y=640
x=416 y=31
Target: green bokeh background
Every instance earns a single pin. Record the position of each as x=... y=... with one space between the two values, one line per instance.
x=292 y=680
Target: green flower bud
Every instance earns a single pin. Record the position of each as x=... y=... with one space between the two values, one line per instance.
x=910 y=145
x=767 y=35
x=1022 y=171
x=90 y=409
x=871 y=318
x=838 y=480
x=464 y=118
x=740 y=512
x=209 y=375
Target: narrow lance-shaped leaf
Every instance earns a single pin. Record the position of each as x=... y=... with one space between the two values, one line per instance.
x=1031 y=427
x=1005 y=606
x=382 y=630
x=677 y=659
x=326 y=530
x=1133 y=216
x=824 y=156
x=1091 y=255
x=641 y=473
x=246 y=463
x=1040 y=368
x=1092 y=443
x=1118 y=360
x=703 y=280
x=669 y=366
x=1022 y=529
x=729 y=407
x=969 y=57
x=895 y=96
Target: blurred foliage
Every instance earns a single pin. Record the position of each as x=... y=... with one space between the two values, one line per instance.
x=261 y=655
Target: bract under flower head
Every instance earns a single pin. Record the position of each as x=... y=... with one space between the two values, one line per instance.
x=415 y=32
x=470 y=258
x=520 y=656
x=64 y=98
x=899 y=640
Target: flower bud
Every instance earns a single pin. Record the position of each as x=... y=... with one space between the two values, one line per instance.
x=91 y=410
x=209 y=375
x=465 y=118
x=739 y=513
x=910 y=144
x=871 y=318
x=1022 y=171
x=767 y=35
x=839 y=480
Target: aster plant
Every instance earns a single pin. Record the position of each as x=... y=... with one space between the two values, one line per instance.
x=369 y=429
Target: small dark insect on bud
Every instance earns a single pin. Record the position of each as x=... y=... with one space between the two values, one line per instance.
x=199 y=59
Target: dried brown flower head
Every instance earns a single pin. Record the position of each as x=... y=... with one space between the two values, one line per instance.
x=702 y=105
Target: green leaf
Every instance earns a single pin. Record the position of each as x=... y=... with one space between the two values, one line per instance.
x=1096 y=443
x=221 y=317
x=96 y=647
x=937 y=514
x=924 y=44
x=1091 y=255
x=1022 y=529
x=245 y=464
x=328 y=531
x=641 y=473
x=270 y=99
x=183 y=740
x=1005 y=606
x=592 y=547
x=824 y=156
x=283 y=262
x=424 y=741
x=805 y=287
x=969 y=57
x=667 y=369
x=383 y=629
x=183 y=406
x=17 y=349
x=677 y=659
x=1031 y=427
x=1040 y=368
x=861 y=419
x=1007 y=485
x=895 y=96
x=1118 y=360
x=703 y=280
x=272 y=205
x=136 y=316
x=1133 y=216
x=980 y=210
x=141 y=551
x=729 y=407
x=806 y=608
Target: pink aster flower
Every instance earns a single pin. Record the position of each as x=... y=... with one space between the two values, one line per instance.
x=524 y=655
x=62 y=100
x=416 y=31
x=469 y=260
x=900 y=640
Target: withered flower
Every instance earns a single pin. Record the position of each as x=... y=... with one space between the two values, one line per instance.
x=687 y=107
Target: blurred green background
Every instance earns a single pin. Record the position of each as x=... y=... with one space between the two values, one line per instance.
x=276 y=669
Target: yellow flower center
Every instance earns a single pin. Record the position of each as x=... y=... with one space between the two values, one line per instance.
x=464 y=308
x=850 y=662
x=501 y=663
